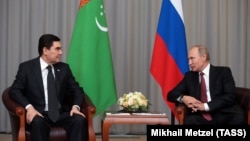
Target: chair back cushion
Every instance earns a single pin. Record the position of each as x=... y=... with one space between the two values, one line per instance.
x=243 y=99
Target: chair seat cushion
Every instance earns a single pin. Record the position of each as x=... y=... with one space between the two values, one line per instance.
x=56 y=134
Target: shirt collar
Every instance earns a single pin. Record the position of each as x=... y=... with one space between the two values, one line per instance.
x=43 y=64
x=206 y=70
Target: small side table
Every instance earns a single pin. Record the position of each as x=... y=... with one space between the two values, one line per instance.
x=131 y=118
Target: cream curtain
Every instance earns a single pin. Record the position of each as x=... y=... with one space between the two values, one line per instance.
x=222 y=26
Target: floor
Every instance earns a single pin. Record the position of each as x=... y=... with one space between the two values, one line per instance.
x=7 y=137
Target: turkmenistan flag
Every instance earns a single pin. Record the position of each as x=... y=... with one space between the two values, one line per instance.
x=89 y=55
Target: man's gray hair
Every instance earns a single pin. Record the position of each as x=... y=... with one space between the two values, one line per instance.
x=202 y=50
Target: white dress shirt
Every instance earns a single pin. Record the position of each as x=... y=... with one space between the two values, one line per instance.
x=44 y=77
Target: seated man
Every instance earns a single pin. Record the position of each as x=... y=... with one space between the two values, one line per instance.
x=208 y=91
x=40 y=87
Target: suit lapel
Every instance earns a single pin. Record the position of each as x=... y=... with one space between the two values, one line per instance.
x=211 y=80
x=38 y=75
x=197 y=85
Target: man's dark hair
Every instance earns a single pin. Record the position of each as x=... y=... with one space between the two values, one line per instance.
x=46 y=40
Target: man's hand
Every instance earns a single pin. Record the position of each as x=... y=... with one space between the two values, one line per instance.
x=192 y=103
x=31 y=113
x=198 y=107
x=75 y=110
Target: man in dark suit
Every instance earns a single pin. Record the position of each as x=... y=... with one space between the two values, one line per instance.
x=30 y=89
x=219 y=105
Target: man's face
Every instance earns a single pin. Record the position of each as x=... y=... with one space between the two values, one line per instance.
x=196 y=61
x=53 y=55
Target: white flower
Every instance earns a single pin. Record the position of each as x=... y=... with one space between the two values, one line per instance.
x=133 y=101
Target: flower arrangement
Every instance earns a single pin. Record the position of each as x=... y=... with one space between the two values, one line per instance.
x=133 y=102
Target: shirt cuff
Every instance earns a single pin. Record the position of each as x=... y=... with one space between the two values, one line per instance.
x=26 y=107
x=179 y=99
x=77 y=107
x=206 y=107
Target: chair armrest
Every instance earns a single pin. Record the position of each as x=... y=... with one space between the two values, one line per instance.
x=87 y=104
x=89 y=110
x=16 y=111
x=10 y=104
x=21 y=112
x=180 y=111
x=248 y=118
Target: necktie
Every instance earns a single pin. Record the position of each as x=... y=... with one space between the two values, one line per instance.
x=206 y=115
x=53 y=111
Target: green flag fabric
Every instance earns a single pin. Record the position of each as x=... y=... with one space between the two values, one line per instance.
x=90 y=57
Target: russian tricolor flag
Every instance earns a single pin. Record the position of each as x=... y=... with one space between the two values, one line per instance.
x=169 y=59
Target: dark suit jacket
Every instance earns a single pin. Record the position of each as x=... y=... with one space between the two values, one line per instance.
x=27 y=88
x=221 y=86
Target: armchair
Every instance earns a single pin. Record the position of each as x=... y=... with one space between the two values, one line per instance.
x=18 y=123
x=243 y=99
